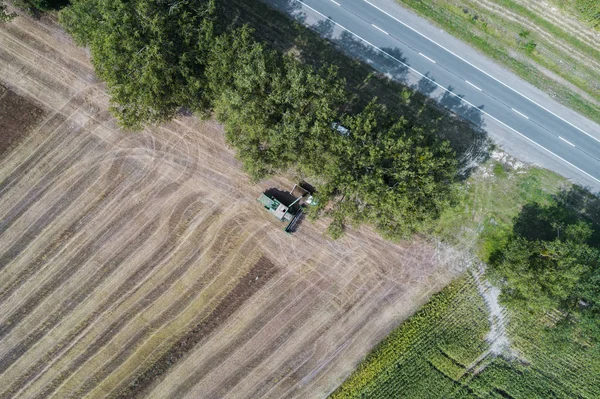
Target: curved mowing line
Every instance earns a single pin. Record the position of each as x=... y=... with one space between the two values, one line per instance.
x=292 y=326
x=41 y=151
x=60 y=206
x=246 y=287
x=130 y=286
x=147 y=231
x=42 y=187
x=277 y=305
x=72 y=266
x=170 y=313
x=213 y=271
x=76 y=299
x=114 y=328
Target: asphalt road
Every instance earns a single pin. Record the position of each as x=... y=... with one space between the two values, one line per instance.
x=529 y=124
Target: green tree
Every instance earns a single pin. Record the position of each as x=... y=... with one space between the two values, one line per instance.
x=388 y=173
x=150 y=53
x=277 y=111
x=5 y=16
x=549 y=263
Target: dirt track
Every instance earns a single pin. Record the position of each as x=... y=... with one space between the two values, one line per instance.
x=125 y=256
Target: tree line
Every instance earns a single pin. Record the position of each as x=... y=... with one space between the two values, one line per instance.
x=159 y=57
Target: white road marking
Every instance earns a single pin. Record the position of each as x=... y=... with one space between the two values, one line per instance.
x=523 y=115
x=423 y=55
x=480 y=70
x=335 y=2
x=567 y=141
x=473 y=85
x=379 y=29
x=443 y=88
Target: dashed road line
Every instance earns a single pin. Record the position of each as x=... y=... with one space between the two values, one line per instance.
x=336 y=3
x=523 y=115
x=566 y=141
x=448 y=91
x=379 y=29
x=423 y=55
x=479 y=69
x=473 y=85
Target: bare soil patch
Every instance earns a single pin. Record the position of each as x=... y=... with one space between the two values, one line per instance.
x=17 y=115
x=141 y=263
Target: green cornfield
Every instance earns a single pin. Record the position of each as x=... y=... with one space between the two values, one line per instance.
x=442 y=352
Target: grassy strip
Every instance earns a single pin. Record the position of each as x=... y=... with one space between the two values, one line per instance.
x=496 y=45
x=491 y=199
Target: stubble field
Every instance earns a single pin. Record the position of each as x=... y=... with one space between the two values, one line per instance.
x=141 y=264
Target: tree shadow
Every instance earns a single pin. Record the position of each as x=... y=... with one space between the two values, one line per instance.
x=324 y=28
x=568 y=207
x=390 y=62
x=425 y=85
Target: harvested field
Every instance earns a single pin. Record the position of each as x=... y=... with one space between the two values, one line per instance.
x=141 y=264
x=17 y=114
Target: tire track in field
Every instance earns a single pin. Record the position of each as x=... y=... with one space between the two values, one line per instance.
x=171 y=312
x=75 y=264
x=218 y=245
x=93 y=211
x=276 y=306
x=59 y=243
x=119 y=258
x=155 y=259
x=41 y=151
x=115 y=327
x=41 y=188
x=292 y=325
x=67 y=271
x=50 y=215
x=54 y=89
x=294 y=362
x=244 y=290
x=44 y=152
x=82 y=294
x=24 y=39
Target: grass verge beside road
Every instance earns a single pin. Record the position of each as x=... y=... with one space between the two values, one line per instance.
x=533 y=47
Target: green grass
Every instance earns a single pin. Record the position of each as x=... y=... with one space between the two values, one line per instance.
x=490 y=200
x=441 y=352
x=498 y=38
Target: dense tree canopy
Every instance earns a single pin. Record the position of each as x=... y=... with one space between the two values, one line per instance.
x=277 y=111
x=552 y=262
x=387 y=173
x=151 y=53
